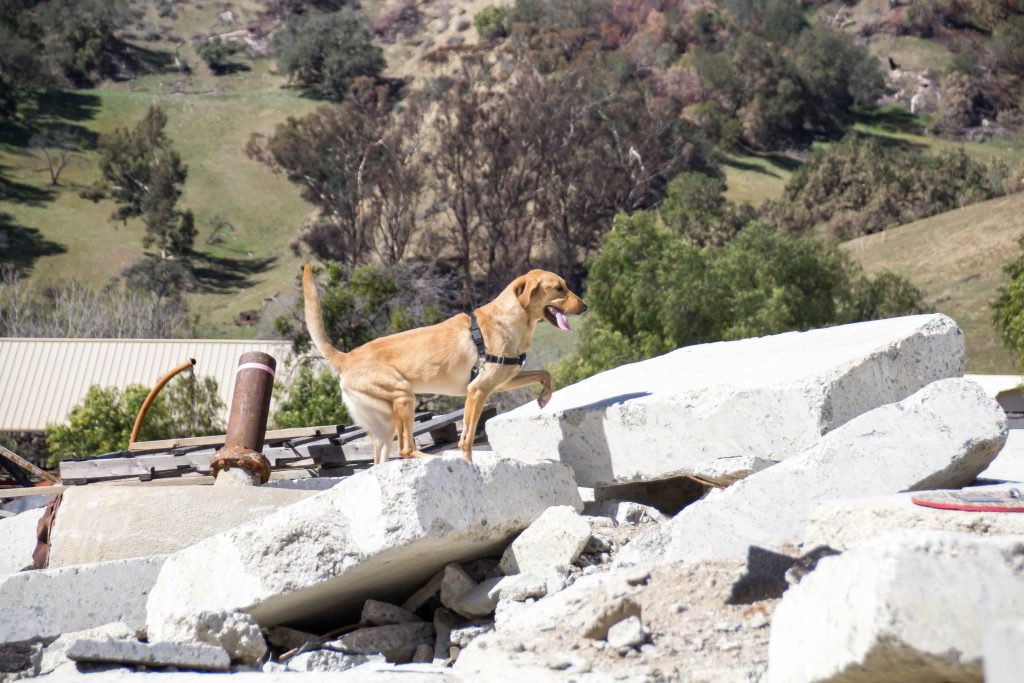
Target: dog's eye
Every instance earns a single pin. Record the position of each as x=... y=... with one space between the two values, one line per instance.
x=561 y=288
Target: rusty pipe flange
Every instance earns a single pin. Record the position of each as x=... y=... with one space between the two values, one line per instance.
x=245 y=458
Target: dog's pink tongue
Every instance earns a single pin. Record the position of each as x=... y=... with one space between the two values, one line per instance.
x=562 y=320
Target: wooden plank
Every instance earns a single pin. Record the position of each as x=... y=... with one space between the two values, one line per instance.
x=275 y=435
x=26 y=465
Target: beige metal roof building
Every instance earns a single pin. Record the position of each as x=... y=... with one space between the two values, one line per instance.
x=41 y=380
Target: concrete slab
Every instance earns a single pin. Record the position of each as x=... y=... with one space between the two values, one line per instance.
x=40 y=605
x=769 y=397
x=18 y=540
x=182 y=656
x=100 y=523
x=1009 y=463
x=381 y=533
x=1004 y=651
x=940 y=437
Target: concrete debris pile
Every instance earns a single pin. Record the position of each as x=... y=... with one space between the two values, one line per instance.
x=746 y=516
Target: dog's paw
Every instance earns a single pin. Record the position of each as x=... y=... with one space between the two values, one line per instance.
x=544 y=397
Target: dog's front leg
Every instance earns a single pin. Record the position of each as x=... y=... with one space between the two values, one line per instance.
x=527 y=377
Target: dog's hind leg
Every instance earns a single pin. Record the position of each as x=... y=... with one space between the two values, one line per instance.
x=403 y=409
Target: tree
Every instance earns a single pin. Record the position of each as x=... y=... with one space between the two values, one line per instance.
x=1008 y=44
x=1008 y=307
x=22 y=73
x=102 y=422
x=492 y=22
x=215 y=52
x=79 y=36
x=309 y=399
x=361 y=164
x=55 y=148
x=145 y=176
x=653 y=290
x=326 y=52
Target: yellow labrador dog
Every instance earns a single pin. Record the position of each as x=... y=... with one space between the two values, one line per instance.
x=466 y=355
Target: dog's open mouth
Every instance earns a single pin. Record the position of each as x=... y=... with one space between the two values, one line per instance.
x=557 y=318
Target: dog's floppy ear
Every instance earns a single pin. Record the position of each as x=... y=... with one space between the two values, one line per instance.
x=523 y=288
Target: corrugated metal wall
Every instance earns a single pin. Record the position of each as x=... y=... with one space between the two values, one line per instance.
x=41 y=380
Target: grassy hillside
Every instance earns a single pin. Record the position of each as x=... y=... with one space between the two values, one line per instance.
x=956 y=259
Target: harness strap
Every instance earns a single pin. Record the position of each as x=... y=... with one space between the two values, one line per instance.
x=481 y=350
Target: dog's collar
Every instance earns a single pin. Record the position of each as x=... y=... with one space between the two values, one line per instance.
x=481 y=350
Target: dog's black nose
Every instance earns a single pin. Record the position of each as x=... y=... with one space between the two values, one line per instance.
x=584 y=309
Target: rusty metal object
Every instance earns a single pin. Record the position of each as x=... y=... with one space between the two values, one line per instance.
x=26 y=465
x=44 y=534
x=152 y=397
x=247 y=423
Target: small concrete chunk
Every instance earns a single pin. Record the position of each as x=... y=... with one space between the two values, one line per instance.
x=520 y=587
x=480 y=601
x=557 y=537
x=769 y=397
x=55 y=655
x=628 y=512
x=377 y=613
x=847 y=522
x=454 y=584
x=444 y=620
x=463 y=634
x=236 y=632
x=289 y=638
x=730 y=469
x=183 y=656
x=628 y=633
x=381 y=533
x=1004 y=651
x=329 y=660
x=41 y=605
x=940 y=437
x=18 y=540
x=909 y=606
x=397 y=642
x=424 y=654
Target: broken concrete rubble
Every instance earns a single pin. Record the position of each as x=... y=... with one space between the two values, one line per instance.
x=847 y=522
x=380 y=533
x=235 y=632
x=41 y=605
x=939 y=437
x=557 y=537
x=55 y=657
x=907 y=606
x=397 y=642
x=92 y=519
x=182 y=656
x=377 y=613
x=770 y=398
x=329 y=660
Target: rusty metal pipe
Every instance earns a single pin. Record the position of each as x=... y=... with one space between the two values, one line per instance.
x=152 y=397
x=247 y=422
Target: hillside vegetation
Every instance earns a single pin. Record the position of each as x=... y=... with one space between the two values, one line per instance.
x=956 y=259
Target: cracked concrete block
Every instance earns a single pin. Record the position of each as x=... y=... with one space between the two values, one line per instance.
x=381 y=533
x=329 y=660
x=940 y=437
x=41 y=605
x=193 y=656
x=557 y=537
x=769 y=397
x=847 y=522
x=910 y=606
x=55 y=654
x=18 y=540
x=91 y=524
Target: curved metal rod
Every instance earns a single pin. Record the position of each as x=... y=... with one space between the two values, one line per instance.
x=152 y=396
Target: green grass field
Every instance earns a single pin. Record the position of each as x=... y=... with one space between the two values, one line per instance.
x=956 y=259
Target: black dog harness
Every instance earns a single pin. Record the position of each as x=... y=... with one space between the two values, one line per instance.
x=481 y=350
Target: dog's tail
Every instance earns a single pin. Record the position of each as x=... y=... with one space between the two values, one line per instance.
x=315 y=320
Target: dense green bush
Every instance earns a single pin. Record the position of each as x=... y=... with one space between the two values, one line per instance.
x=492 y=22
x=309 y=399
x=1008 y=307
x=215 y=52
x=103 y=421
x=325 y=52
x=863 y=185
x=652 y=290
x=1008 y=44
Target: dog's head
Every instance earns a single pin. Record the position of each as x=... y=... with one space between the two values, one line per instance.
x=545 y=296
